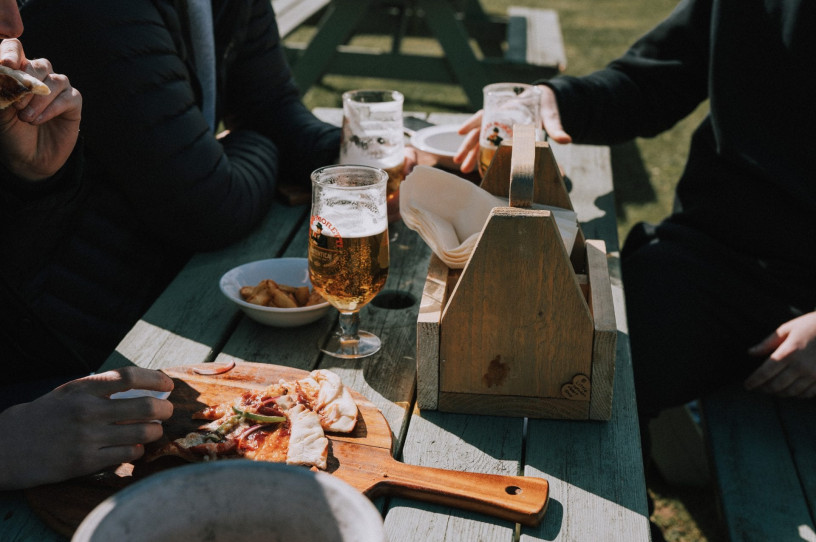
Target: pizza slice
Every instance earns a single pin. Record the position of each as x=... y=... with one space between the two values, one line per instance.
x=14 y=84
x=283 y=423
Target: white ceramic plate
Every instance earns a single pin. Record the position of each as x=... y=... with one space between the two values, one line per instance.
x=235 y=500
x=440 y=143
x=290 y=271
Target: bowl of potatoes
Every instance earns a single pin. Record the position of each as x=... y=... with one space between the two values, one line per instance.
x=275 y=292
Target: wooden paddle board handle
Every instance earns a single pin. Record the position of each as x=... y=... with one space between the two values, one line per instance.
x=520 y=499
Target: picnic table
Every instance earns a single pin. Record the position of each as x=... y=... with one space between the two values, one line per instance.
x=594 y=468
x=476 y=48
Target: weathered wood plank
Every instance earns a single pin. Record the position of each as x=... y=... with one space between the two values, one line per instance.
x=798 y=417
x=172 y=332
x=584 y=463
x=19 y=524
x=534 y=37
x=458 y=442
x=761 y=493
x=290 y=14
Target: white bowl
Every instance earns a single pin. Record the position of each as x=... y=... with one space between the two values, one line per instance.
x=235 y=500
x=290 y=271
x=437 y=145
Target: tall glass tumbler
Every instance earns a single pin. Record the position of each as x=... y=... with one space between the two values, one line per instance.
x=505 y=104
x=373 y=136
x=348 y=249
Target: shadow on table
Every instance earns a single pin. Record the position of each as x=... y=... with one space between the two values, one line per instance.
x=632 y=181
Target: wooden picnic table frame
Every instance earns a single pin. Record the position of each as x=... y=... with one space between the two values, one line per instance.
x=454 y=28
x=595 y=470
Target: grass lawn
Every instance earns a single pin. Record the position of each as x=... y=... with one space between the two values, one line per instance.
x=645 y=170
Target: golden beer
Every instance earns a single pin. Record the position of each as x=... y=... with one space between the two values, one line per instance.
x=396 y=175
x=485 y=157
x=348 y=271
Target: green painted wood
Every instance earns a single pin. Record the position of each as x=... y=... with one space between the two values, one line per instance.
x=760 y=489
x=172 y=331
x=454 y=29
x=336 y=27
x=593 y=467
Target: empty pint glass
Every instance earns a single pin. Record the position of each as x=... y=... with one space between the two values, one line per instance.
x=505 y=104
x=373 y=136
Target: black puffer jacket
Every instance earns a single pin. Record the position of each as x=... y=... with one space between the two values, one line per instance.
x=156 y=185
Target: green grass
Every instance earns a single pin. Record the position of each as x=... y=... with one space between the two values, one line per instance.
x=645 y=170
x=595 y=32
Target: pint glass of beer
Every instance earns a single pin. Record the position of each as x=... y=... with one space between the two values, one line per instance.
x=505 y=104
x=372 y=136
x=348 y=249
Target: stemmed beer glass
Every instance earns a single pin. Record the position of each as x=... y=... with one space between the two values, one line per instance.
x=348 y=249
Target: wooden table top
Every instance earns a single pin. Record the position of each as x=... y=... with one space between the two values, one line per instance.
x=597 y=487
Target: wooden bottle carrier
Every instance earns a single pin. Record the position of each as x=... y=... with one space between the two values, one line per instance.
x=524 y=329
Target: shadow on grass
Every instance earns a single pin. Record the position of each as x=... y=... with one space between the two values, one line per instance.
x=685 y=514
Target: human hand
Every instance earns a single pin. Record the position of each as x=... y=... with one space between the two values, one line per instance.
x=550 y=117
x=790 y=367
x=38 y=133
x=410 y=160
x=468 y=152
x=77 y=429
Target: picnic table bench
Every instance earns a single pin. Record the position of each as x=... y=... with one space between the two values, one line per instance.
x=290 y=14
x=763 y=459
x=533 y=43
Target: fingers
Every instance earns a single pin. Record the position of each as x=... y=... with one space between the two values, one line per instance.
x=551 y=118
x=768 y=344
x=473 y=123
x=468 y=151
x=410 y=160
x=126 y=378
x=763 y=374
x=11 y=53
x=64 y=101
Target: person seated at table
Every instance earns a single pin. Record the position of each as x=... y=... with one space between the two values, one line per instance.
x=159 y=78
x=75 y=429
x=724 y=289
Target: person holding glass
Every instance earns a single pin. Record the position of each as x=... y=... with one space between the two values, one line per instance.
x=722 y=290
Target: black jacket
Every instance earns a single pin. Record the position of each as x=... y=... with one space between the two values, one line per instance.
x=749 y=182
x=156 y=185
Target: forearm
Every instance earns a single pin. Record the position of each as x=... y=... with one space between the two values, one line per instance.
x=659 y=81
x=274 y=107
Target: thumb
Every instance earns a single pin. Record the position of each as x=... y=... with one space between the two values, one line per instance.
x=767 y=346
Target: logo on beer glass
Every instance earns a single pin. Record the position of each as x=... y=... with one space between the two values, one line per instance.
x=496 y=132
x=324 y=242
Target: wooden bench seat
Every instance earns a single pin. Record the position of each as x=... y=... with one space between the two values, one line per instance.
x=471 y=42
x=762 y=453
x=290 y=14
x=534 y=37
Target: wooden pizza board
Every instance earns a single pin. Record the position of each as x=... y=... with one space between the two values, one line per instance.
x=362 y=459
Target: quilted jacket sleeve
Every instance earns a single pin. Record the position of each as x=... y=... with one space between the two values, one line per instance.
x=259 y=94
x=142 y=126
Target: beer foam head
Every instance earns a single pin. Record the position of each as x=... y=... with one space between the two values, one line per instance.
x=360 y=222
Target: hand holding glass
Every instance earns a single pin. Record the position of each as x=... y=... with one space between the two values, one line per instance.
x=348 y=249
x=505 y=104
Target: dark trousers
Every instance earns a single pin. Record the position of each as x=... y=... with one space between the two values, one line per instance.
x=694 y=307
